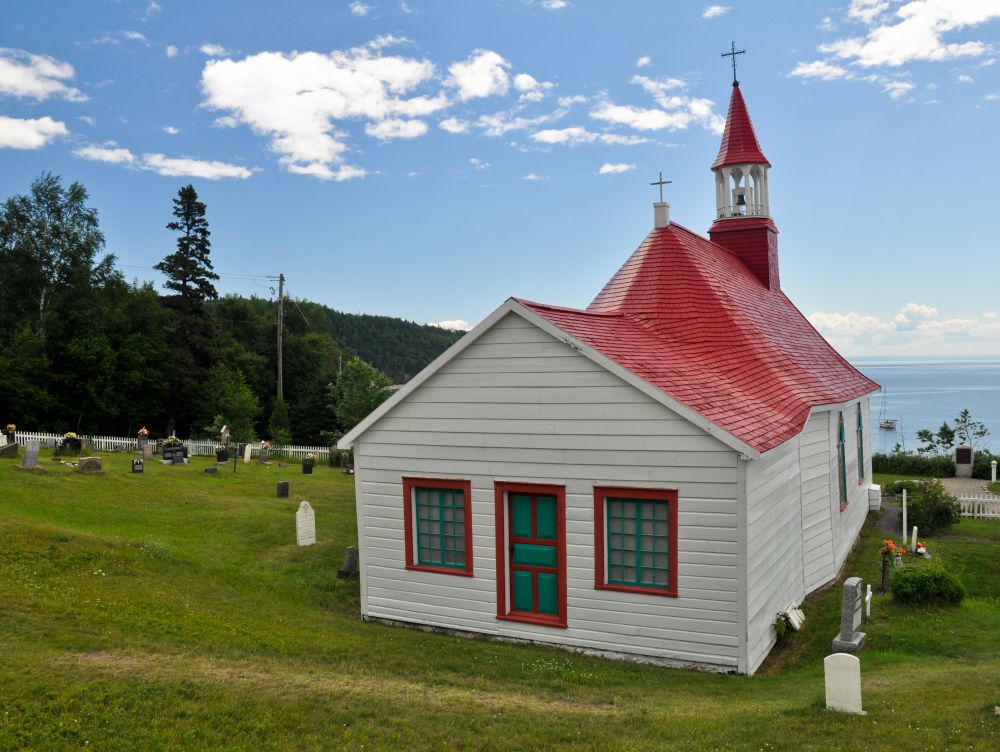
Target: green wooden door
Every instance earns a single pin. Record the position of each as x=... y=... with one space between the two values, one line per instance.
x=534 y=554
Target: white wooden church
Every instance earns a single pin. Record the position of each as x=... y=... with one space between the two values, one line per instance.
x=654 y=477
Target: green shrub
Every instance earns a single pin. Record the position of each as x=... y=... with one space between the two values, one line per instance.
x=930 y=507
x=926 y=584
x=981 y=464
x=903 y=463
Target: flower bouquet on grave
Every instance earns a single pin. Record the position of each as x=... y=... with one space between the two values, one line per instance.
x=892 y=553
x=143 y=433
x=920 y=549
x=171 y=441
x=70 y=442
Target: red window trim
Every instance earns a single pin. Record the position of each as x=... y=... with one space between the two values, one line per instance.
x=465 y=487
x=601 y=494
x=501 y=489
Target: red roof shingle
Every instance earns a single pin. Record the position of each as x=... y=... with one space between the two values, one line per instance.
x=739 y=141
x=691 y=319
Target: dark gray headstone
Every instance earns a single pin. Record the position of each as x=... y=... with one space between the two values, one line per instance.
x=138 y=466
x=307 y=466
x=211 y=470
x=9 y=451
x=282 y=489
x=350 y=568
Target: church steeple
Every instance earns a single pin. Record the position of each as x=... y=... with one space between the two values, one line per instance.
x=742 y=201
x=741 y=167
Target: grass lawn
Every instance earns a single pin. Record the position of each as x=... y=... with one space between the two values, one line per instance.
x=173 y=610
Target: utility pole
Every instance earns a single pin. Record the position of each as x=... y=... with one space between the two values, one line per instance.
x=281 y=326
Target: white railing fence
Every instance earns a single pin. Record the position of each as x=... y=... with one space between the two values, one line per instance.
x=197 y=448
x=980 y=506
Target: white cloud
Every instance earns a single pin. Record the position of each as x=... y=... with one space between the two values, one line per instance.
x=916 y=330
x=117 y=37
x=992 y=98
x=482 y=74
x=385 y=130
x=479 y=164
x=134 y=36
x=151 y=10
x=171 y=51
x=914 y=31
x=298 y=99
x=555 y=4
x=609 y=168
x=33 y=133
x=677 y=111
x=988 y=63
x=171 y=130
x=359 y=9
x=194 y=168
x=575 y=135
x=37 y=77
x=897 y=89
x=111 y=154
x=827 y=24
x=644 y=62
x=405 y=8
x=965 y=79
x=88 y=119
x=213 y=50
x=714 y=11
x=532 y=176
x=457 y=325
x=820 y=69
x=525 y=82
x=454 y=125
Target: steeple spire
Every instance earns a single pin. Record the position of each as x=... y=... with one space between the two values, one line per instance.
x=741 y=167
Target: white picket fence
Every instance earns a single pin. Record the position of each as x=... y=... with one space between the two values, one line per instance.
x=198 y=448
x=980 y=506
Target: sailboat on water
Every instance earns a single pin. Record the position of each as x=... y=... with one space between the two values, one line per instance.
x=888 y=424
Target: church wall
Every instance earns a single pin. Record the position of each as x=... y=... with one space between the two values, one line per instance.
x=817 y=520
x=519 y=405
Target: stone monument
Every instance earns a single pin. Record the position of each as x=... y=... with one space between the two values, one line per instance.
x=30 y=454
x=843 y=683
x=850 y=639
x=305 y=525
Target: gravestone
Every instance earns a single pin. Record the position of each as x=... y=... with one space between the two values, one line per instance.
x=30 y=454
x=305 y=525
x=89 y=465
x=843 y=683
x=868 y=605
x=246 y=455
x=262 y=455
x=9 y=451
x=282 y=464
x=307 y=466
x=350 y=568
x=147 y=452
x=850 y=640
x=222 y=455
x=138 y=466
x=211 y=470
x=282 y=489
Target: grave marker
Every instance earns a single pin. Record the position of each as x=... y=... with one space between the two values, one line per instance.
x=868 y=605
x=138 y=466
x=843 y=683
x=305 y=525
x=147 y=452
x=30 y=454
x=850 y=640
x=89 y=465
x=211 y=470
x=246 y=455
x=350 y=568
x=282 y=489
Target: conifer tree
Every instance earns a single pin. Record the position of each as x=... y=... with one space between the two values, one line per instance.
x=189 y=269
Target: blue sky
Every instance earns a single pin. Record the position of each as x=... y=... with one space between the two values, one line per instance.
x=430 y=159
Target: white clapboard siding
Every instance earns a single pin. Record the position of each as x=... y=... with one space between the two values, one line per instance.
x=847 y=522
x=518 y=405
x=817 y=524
x=774 y=544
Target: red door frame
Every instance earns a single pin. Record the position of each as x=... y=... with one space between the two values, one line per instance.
x=501 y=490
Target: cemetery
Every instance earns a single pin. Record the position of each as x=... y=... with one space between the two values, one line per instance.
x=170 y=608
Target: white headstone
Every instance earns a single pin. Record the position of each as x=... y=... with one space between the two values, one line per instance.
x=31 y=454
x=843 y=683
x=913 y=538
x=246 y=455
x=868 y=605
x=305 y=525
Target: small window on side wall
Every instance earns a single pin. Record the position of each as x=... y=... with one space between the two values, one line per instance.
x=437 y=517
x=635 y=540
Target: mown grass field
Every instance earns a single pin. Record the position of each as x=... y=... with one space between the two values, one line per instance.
x=173 y=610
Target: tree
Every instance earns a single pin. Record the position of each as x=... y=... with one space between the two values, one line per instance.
x=965 y=431
x=226 y=399
x=189 y=269
x=278 y=426
x=193 y=332
x=358 y=390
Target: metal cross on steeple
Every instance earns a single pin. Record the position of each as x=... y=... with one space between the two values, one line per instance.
x=661 y=182
x=733 y=52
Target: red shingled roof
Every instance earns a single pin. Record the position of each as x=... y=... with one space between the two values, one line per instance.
x=689 y=317
x=739 y=142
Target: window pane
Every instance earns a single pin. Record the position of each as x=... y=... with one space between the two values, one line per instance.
x=440 y=527
x=638 y=542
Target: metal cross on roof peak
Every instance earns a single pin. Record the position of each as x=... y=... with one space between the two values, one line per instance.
x=733 y=52
x=661 y=182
